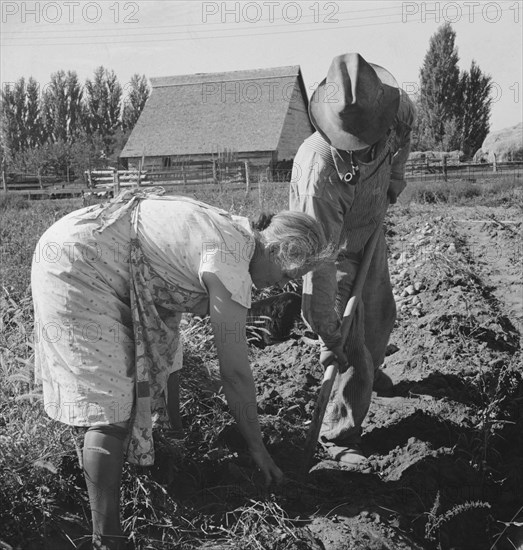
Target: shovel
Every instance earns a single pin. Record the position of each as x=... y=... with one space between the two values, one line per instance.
x=332 y=370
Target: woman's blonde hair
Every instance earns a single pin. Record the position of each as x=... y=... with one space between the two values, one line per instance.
x=296 y=239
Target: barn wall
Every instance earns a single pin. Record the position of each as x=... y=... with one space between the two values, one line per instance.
x=296 y=126
x=259 y=158
x=255 y=158
x=149 y=163
x=199 y=168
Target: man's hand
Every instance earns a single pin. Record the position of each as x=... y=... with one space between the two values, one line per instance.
x=334 y=355
x=271 y=472
x=395 y=188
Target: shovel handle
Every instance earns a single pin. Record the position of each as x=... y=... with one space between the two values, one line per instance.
x=326 y=389
x=319 y=412
x=332 y=370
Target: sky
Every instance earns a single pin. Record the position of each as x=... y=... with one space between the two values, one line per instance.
x=169 y=37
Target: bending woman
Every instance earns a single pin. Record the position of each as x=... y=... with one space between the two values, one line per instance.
x=110 y=284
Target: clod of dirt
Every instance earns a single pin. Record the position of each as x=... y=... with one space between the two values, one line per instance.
x=271 y=320
x=365 y=531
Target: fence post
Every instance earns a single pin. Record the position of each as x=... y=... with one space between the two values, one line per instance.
x=116 y=183
x=4 y=179
x=214 y=172
x=184 y=175
x=494 y=164
x=444 y=167
x=247 y=178
x=139 y=180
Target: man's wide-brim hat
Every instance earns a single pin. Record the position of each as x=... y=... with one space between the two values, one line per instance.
x=356 y=104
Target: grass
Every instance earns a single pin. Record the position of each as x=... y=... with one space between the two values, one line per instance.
x=502 y=191
x=39 y=476
x=31 y=446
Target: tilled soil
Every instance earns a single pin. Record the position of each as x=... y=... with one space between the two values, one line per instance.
x=445 y=448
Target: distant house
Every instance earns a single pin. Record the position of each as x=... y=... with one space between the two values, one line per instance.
x=259 y=116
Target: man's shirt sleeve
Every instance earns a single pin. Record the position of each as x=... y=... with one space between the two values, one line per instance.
x=403 y=127
x=315 y=187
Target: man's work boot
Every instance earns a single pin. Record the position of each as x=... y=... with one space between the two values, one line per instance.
x=349 y=453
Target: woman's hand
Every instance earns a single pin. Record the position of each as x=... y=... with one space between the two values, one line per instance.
x=271 y=473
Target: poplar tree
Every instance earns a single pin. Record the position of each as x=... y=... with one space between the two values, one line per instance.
x=138 y=95
x=453 y=108
x=9 y=127
x=439 y=91
x=55 y=107
x=21 y=123
x=33 y=121
x=75 y=107
x=103 y=105
x=62 y=106
x=475 y=106
x=19 y=106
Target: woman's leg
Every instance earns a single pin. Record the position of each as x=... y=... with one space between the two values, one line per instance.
x=173 y=402
x=103 y=455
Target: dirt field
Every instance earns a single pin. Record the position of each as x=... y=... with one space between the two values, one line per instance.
x=445 y=466
x=446 y=448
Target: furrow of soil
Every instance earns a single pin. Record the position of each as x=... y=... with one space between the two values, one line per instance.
x=494 y=241
x=444 y=447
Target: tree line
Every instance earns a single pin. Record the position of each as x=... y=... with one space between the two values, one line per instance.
x=66 y=127
x=453 y=107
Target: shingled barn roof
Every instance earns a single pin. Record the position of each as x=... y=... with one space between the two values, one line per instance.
x=205 y=113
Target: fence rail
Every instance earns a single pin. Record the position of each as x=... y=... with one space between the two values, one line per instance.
x=235 y=173
x=446 y=168
x=201 y=173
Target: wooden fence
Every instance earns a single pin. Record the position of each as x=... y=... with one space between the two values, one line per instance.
x=182 y=175
x=234 y=173
x=449 y=168
x=114 y=179
x=13 y=182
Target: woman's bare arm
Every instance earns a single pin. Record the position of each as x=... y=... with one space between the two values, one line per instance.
x=228 y=323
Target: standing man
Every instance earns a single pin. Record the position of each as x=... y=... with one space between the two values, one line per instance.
x=344 y=175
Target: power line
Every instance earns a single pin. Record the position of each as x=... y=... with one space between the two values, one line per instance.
x=202 y=37
x=51 y=26
x=206 y=25
x=228 y=29
x=236 y=35
x=249 y=34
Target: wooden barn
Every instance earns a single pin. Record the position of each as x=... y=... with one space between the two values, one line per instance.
x=257 y=118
